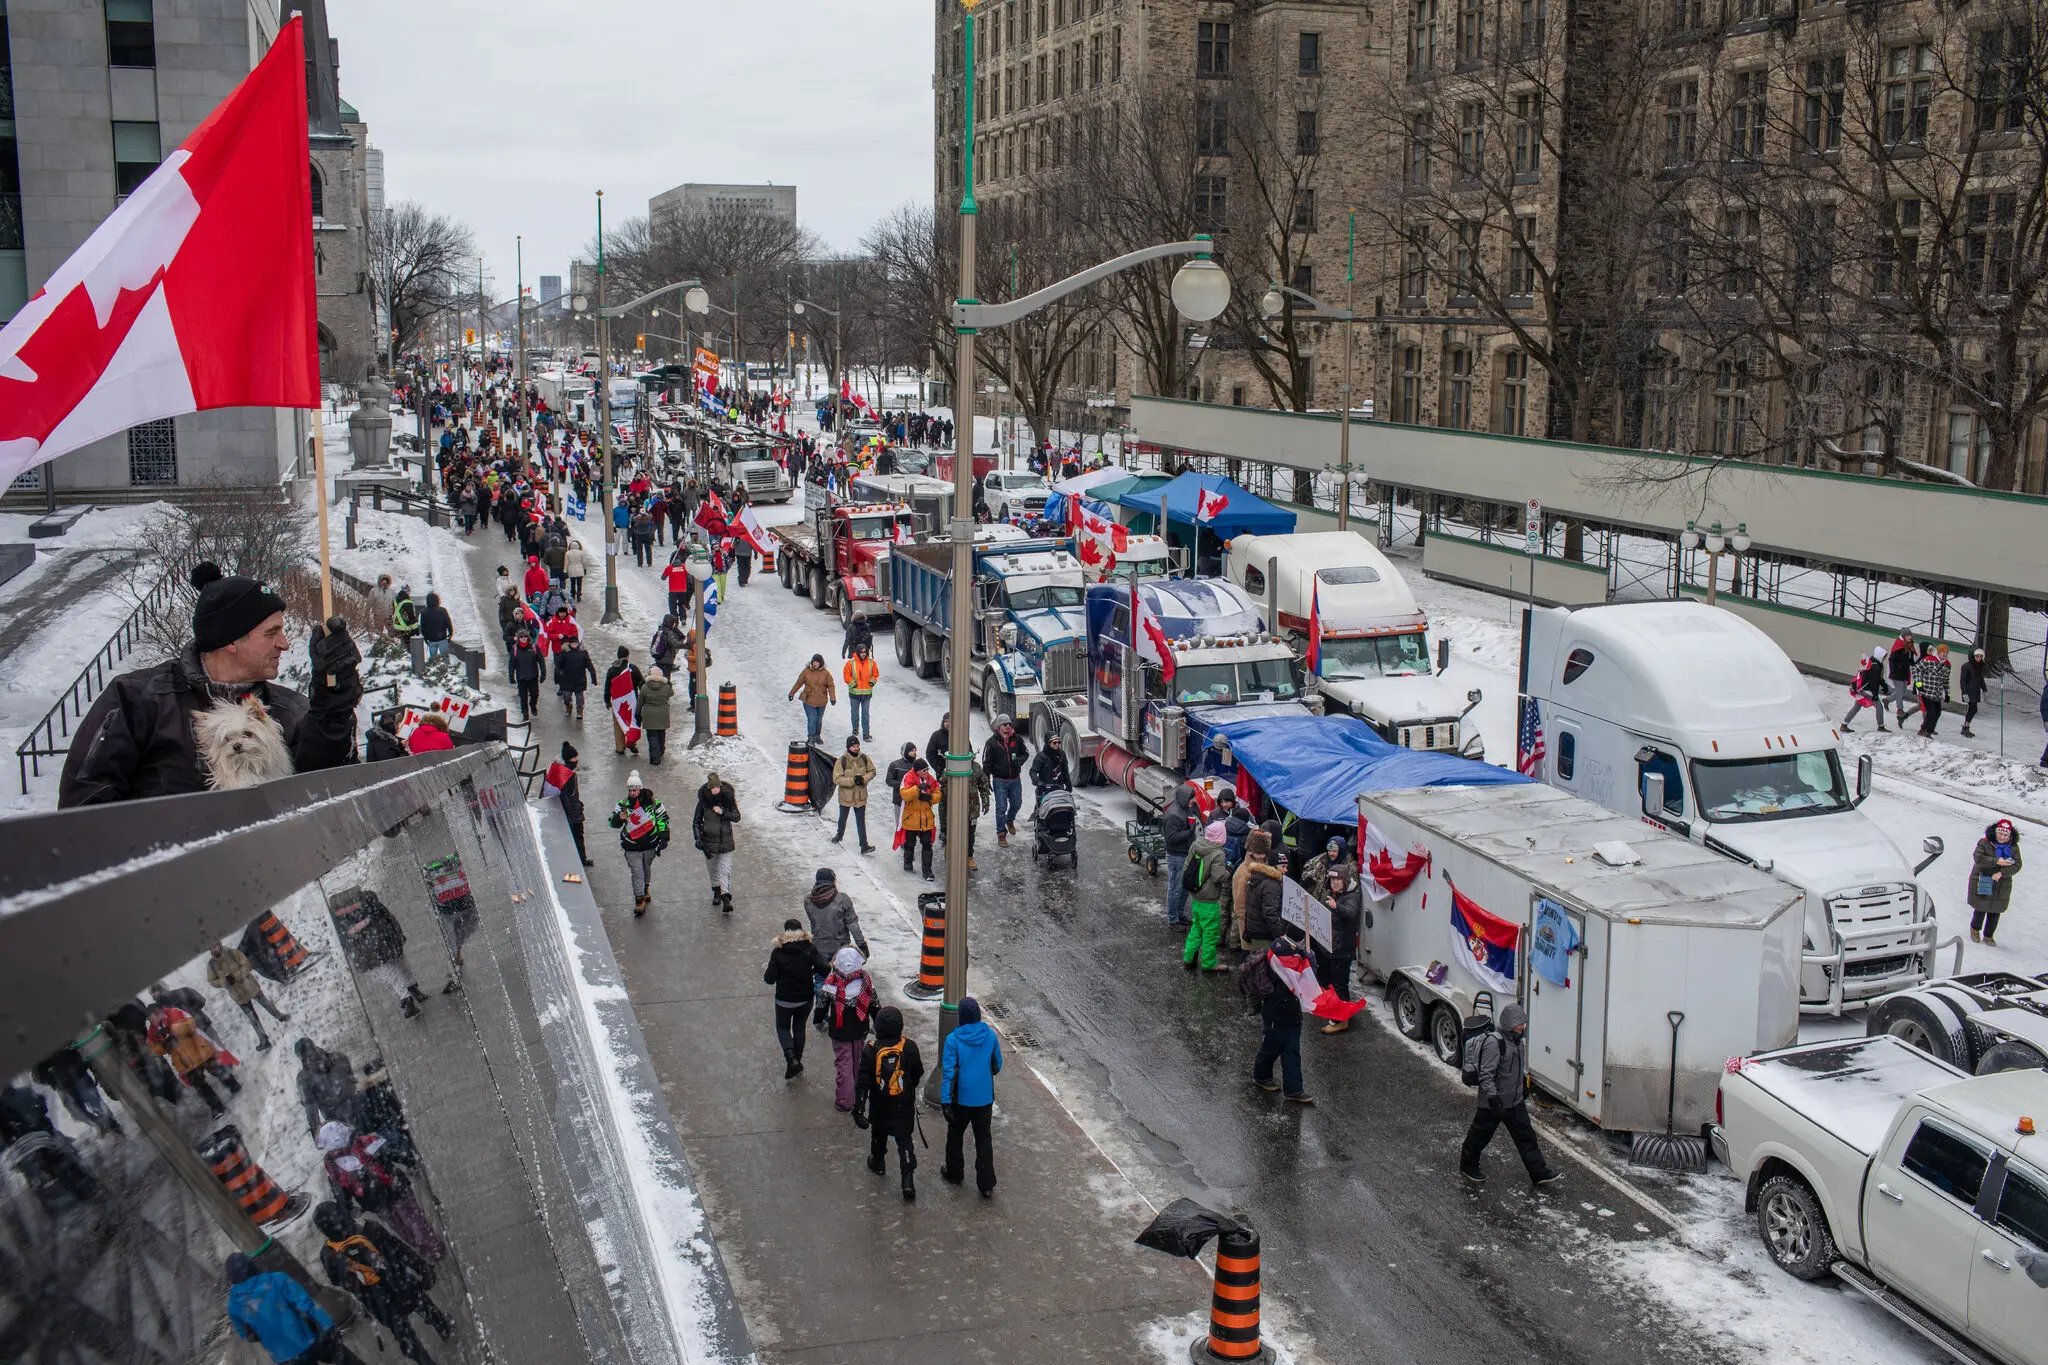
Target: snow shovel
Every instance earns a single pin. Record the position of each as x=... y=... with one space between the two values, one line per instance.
x=1669 y=1151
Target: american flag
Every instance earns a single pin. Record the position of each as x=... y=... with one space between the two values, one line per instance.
x=1529 y=739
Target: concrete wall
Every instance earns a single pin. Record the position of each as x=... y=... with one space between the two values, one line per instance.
x=1502 y=569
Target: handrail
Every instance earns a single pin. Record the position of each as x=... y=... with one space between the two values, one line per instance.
x=42 y=740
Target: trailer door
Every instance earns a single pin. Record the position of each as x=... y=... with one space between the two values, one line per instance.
x=1556 y=972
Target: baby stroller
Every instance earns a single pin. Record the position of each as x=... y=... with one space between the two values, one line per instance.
x=1055 y=817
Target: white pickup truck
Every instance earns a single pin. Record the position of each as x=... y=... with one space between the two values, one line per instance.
x=1912 y=1181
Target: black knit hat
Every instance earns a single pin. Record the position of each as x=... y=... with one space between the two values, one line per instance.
x=229 y=607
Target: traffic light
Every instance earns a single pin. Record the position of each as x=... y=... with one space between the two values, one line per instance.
x=469 y=336
x=640 y=341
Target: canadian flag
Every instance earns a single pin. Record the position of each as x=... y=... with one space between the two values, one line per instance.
x=1299 y=976
x=625 y=704
x=1149 y=624
x=558 y=776
x=1208 y=506
x=1384 y=874
x=197 y=292
x=747 y=527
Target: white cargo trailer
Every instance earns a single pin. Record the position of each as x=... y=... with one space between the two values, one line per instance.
x=1664 y=927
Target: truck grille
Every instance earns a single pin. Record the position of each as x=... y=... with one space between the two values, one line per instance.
x=1065 y=668
x=762 y=481
x=1873 y=907
x=1855 y=967
x=1431 y=737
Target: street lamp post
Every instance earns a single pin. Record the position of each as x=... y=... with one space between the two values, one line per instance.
x=604 y=419
x=838 y=332
x=1201 y=291
x=1716 y=542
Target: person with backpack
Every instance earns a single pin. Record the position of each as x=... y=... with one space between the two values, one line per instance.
x=383 y=1274
x=848 y=1005
x=274 y=1310
x=1866 y=689
x=367 y=1170
x=851 y=774
x=655 y=695
x=1208 y=877
x=1898 y=670
x=968 y=1066
x=642 y=823
x=1279 y=1009
x=885 y=1095
x=1495 y=1061
x=711 y=830
x=793 y=965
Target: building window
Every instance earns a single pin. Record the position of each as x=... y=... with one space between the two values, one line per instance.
x=1681 y=122
x=1969 y=445
x=1908 y=92
x=1687 y=15
x=1741 y=230
x=1305 y=279
x=1116 y=55
x=1533 y=18
x=1421 y=38
x=1883 y=412
x=1095 y=61
x=1212 y=201
x=1661 y=401
x=1988 y=243
x=131 y=33
x=1415 y=272
x=1746 y=113
x=319 y=194
x=1212 y=127
x=1522 y=259
x=1471 y=31
x=1212 y=49
x=1514 y=393
x=1813 y=253
x=153 y=453
x=1418 y=151
x=1305 y=209
x=1305 y=141
x=1043 y=80
x=1731 y=408
x=138 y=148
x=1010 y=24
x=1411 y=385
x=1471 y=140
x=1825 y=80
x=2003 y=72
x=1898 y=247
x=1528 y=132
x=1308 y=54
x=1457 y=410
x=1464 y=263
x=1074 y=69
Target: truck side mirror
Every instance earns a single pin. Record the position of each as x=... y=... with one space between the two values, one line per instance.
x=1443 y=655
x=1933 y=847
x=1862 y=779
x=1653 y=797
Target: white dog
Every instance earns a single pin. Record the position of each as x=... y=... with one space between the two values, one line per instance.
x=240 y=745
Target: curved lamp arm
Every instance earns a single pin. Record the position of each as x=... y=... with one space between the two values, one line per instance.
x=974 y=316
x=620 y=310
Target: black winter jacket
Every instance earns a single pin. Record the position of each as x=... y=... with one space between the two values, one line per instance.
x=793 y=968
x=1004 y=761
x=528 y=664
x=711 y=825
x=370 y=935
x=1049 y=770
x=1179 y=823
x=1261 y=908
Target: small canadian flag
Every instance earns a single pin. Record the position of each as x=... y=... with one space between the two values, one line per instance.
x=1209 y=506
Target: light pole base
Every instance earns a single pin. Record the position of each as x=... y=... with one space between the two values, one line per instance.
x=611 y=615
x=703 y=735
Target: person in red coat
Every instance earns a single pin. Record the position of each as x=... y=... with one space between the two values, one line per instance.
x=430 y=735
x=536 y=580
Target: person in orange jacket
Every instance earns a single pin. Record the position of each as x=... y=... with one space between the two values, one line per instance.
x=861 y=674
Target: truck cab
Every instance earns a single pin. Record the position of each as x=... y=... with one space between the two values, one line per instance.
x=1375 y=655
x=1015 y=494
x=1027 y=611
x=1694 y=719
x=841 y=552
x=752 y=465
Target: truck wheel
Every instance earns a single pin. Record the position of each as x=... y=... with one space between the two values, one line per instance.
x=2011 y=1055
x=818 y=589
x=845 y=612
x=994 y=700
x=783 y=569
x=928 y=648
x=1446 y=1034
x=906 y=643
x=1794 y=1229
x=1928 y=1022
x=1411 y=1012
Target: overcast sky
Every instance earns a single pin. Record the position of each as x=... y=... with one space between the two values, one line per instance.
x=509 y=114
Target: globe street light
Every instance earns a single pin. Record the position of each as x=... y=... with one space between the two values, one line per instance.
x=1715 y=542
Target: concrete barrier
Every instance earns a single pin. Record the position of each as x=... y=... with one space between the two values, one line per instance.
x=1823 y=645
x=1503 y=569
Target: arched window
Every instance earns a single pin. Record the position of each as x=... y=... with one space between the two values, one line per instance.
x=319 y=195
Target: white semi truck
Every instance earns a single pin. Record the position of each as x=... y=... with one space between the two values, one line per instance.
x=1693 y=719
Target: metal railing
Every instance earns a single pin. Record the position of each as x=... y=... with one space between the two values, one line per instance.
x=51 y=736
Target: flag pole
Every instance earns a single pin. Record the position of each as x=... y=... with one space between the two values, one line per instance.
x=320 y=478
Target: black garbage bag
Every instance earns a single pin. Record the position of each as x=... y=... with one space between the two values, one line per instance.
x=1184 y=1227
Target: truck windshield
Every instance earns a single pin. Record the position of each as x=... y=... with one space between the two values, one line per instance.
x=911 y=461
x=1770 y=788
x=1267 y=677
x=1379 y=656
x=877 y=528
x=1200 y=684
x=1045 y=595
x=1127 y=569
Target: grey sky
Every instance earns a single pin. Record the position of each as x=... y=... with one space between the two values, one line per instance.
x=508 y=114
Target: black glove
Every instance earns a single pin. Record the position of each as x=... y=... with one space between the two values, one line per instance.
x=337 y=683
x=860 y=1117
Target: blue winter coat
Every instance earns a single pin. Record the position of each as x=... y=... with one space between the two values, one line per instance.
x=274 y=1310
x=971 y=1059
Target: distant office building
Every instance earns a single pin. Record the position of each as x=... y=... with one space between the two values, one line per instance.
x=550 y=288
x=776 y=200
x=373 y=165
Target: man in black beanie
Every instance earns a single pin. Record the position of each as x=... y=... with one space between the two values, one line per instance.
x=138 y=740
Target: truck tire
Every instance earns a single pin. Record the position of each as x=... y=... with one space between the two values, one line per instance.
x=994 y=700
x=906 y=643
x=1446 y=1034
x=1794 y=1228
x=783 y=569
x=1411 y=1011
x=929 y=647
x=1927 y=1021
x=818 y=588
x=2011 y=1055
x=845 y=611
x=1086 y=774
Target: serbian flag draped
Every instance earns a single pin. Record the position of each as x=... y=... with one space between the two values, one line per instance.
x=1209 y=506
x=1298 y=975
x=624 y=699
x=1384 y=872
x=747 y=527
x=196 y=292
x=1488 y=944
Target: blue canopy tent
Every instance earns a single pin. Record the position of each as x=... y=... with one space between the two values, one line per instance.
x=1315 y=765
x=1246 y=514
x=1098 y=499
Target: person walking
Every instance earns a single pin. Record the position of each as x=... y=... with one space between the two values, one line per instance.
x=374 y=943
x=885 y=1096
x=1867 y=689
x=1049 y=771
x=793 y=967
x=1208 y=875
x=861 y=672
x=642 y=823
x=1280 y=1016
x=229 y=969
x=1930 y=681
x=622 y=665
x=850 y=777
x=1004 y=759
x=675 y=576
x=898 y=770
x=367 y=1170
x=655 y=695
x=571 y=793
x=176 y=1037
x=1346 y=900
x=968 y=1066
x=574 y=673
x=815 y=683
x=833 y=920
x=1503 y=1062
x=1179 y=822
x=275 y=1311
x=711 y=830
x=1992 y=867
x=383 y=1274
x=1972 y=686
x=574 y=565
x=529 y=670
x=847 y=999
x=437 y=627
x=917 y=819
x=1899 y=674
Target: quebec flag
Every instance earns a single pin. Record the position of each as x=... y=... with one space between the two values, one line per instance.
x=575 y=506
x=1485 y=942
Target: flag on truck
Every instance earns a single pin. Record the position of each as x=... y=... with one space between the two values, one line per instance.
x=1529 y=739
x=1381 y=874
x=1315 y=627
x=1488 y=944
x=1145 y=626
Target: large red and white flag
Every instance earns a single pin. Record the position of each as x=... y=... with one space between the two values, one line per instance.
x=1209 y=506
x=197 y=292
x=1385 y=871
x=625 y=703
x=747 y=527
x=1298 y=975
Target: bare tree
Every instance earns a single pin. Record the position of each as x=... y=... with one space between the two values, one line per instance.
x=421 y=261
x=914 y=251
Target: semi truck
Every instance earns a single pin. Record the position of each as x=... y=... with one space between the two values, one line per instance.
x=567 y=393
x=1375 y=651
x=751 y=464
x=1693 y=719
x=1028 y=627
x=839 y=553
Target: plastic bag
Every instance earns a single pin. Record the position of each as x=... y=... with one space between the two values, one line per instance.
x=1184 y=1227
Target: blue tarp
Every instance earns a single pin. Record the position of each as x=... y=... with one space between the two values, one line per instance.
x=1315 y=765
x=1098 y=498
x=1247 y=514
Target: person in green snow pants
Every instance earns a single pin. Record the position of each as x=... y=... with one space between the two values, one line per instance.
x=1208 y=874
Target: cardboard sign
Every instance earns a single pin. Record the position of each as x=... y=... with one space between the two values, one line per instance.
x=1305 y=912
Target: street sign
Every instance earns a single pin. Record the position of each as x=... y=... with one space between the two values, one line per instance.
x=1532 y=528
